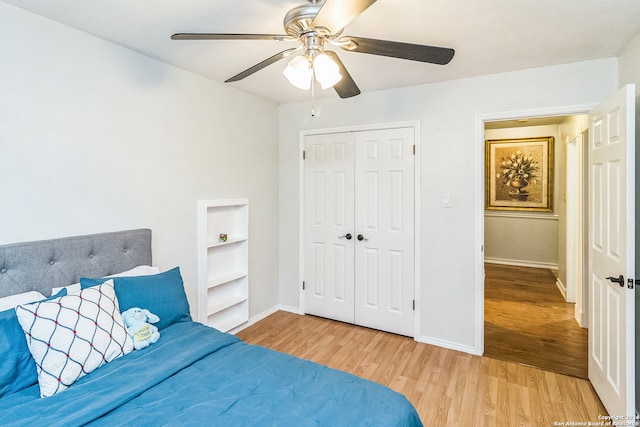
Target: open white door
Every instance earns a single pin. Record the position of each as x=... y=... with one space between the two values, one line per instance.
x=611 y=252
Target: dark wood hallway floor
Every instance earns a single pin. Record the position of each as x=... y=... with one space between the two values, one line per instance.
x=527 y=321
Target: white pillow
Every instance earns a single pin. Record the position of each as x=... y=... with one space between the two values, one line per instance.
x=13 y=301
x=141 y=270
x=72 y=336
x=71 y=289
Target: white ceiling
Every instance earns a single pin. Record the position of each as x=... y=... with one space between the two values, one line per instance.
x=488 y=36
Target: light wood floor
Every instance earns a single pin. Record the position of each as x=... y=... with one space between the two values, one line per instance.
x=448 y=388
x=528 y=321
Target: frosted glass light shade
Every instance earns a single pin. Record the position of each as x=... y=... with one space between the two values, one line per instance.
x=299 y=72
x=327 y=71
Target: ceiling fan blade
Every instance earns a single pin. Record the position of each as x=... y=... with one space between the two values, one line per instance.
x=221 y=36
x=346 y=87
x=334 y=15
x=261 y=65
x=412 y=52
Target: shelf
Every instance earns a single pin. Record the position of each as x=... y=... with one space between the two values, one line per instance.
x=226 y=322
x=228 y=242
x=226 y=303
x=222 y=280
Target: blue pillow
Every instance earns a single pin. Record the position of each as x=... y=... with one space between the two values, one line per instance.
x=162 y=294
x=17 y=367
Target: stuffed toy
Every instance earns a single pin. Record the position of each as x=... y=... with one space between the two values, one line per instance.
x=140 y=331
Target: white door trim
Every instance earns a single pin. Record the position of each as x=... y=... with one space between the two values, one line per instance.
x=576 y=221
x=573 y=219
x=415 y=124
x=479 y=196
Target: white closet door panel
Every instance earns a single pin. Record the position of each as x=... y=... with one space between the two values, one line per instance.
x=328 y=255
x=370 y=278
x=384 y=217
x=370 y=194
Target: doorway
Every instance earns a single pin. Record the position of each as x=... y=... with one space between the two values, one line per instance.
x=530 y=259
x=611 y=307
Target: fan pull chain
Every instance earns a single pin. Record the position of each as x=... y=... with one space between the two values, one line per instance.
x=313 y=94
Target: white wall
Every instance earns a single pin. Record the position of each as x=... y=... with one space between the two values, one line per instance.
x=96 y=138
x=630 y=63
x=451 y=156
x=537 y=241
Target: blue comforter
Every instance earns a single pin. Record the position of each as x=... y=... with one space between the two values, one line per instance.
x=196 y=375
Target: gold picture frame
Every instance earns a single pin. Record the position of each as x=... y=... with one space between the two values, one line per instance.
x=519 y=174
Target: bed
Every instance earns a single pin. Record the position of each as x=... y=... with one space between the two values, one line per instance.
x=192 y=375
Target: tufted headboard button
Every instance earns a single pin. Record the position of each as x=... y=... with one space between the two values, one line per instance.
x=4 y=270
x=51 y=262
x=124 y=250
x=90 y=255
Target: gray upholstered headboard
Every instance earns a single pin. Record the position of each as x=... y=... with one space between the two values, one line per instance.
x=45 y=264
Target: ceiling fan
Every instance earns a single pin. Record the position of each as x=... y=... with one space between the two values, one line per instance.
x=320 y=24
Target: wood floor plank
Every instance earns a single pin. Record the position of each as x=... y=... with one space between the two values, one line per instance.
x=447 y=387
x=528 y=321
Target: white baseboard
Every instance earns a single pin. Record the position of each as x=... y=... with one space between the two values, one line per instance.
x=255 y=319
x=294 y=310
x=562 y=288
x=521 y=263
x=581 y=317
x=264 y=314
x=449 y=345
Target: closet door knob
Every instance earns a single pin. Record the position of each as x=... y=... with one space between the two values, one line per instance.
x=347 y=236
x=361 y=238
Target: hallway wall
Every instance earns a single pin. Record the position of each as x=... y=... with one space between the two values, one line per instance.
x=520 y=237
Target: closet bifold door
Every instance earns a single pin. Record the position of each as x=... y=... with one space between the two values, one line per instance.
x=359 y=225
x=328 y=226
x=384 y=219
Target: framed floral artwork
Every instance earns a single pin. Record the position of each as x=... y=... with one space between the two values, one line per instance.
x=519 y=174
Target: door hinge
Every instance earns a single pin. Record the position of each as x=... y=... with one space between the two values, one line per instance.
x=414 y=149
x=630 y=283
x=414 y=305
x=304 y=154
x=303 y=285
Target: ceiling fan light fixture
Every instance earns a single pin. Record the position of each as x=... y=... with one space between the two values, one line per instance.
x=299 y=72
x=326 y=70
x=315 y=24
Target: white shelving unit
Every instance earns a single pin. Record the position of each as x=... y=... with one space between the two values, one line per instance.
x=223 y=266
